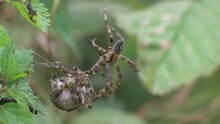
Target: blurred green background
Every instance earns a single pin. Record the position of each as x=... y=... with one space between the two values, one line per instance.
x=175 y=43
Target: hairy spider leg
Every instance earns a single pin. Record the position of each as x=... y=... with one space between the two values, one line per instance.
x=101 y=52
x=109 y=88
x=119 y=74
x=100 y=49
x=128 y=61
x=117 y=33
x=58 y=65
x=108 y=29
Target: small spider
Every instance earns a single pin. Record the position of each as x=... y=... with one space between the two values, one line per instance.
x=31 y=11
x=110 y=56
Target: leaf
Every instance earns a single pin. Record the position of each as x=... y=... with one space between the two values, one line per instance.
x=8 y=62
x=13 y=113
x=24 y=57
x=4 y=38
x=107 y=116
x=33 y=100
x=41 y=18
x=177 y=42
x=195 y=103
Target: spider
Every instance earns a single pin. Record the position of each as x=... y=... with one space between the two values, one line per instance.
x=73 y=90
x=110 y=56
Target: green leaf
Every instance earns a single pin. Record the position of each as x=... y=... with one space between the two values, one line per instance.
x=23 y=94
x=8 y=62
x=24 y=58
x=42 y=20
x=25 y=90
x=178 y=41
x=107 y=116
x=13 y=113
x=4 y=38
x=200 y=99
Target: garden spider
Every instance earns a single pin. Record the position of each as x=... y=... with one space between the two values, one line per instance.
x=110 y=56
x=73 y=90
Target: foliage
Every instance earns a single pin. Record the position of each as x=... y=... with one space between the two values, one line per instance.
x=40 y=19
x=173 y=42
x=14 y=72
x=15 y=66
x=112 y=116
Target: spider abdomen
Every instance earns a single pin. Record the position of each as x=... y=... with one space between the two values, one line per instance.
x=63 y=94
x=67 y=95
x=65 y=101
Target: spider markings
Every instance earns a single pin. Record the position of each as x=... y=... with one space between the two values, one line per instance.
x=72 y=91
x=67 y=95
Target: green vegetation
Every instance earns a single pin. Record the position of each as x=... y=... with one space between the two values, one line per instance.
x=174 y=43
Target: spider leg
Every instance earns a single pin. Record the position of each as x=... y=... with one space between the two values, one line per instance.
x=128 y=62
x=100 y=49
x=91 y=90
x=119 y=74
x=118 y=34
x=109 y=88
x=95 y=68
x=69 y=70
x=109 y=29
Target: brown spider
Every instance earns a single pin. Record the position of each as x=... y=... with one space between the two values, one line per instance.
x=74 y=90
x=110 y=56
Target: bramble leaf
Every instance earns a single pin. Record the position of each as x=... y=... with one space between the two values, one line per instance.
x=24 y=58
x=33 y=100
x=40 y=19
x=8 y=62
x=177 y=42
x=13 y=113
x=4 y=38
